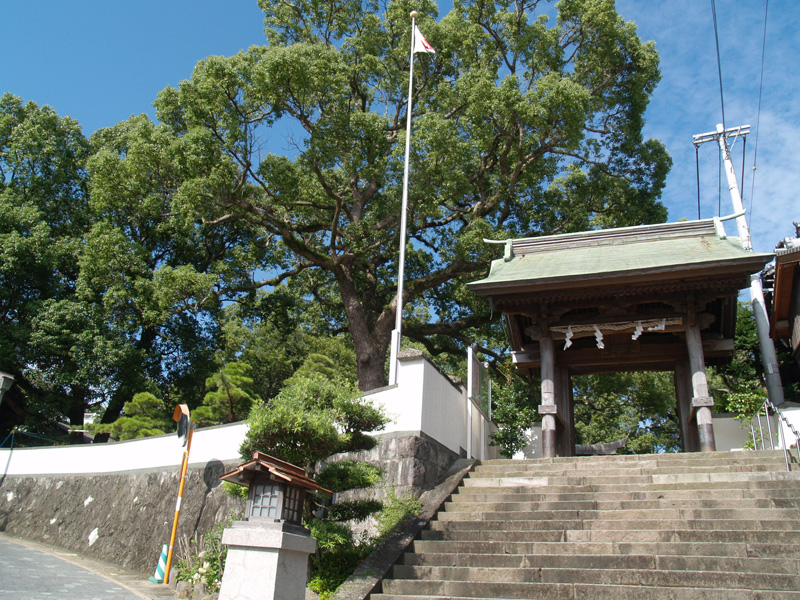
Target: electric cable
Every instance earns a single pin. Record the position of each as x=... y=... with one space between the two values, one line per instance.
x=719 y=62
x=758 y=112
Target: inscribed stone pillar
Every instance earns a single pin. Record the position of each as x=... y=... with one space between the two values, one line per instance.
x=701 y=399
x=548 y=408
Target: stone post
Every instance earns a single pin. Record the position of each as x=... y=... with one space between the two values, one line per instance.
x=266 y=561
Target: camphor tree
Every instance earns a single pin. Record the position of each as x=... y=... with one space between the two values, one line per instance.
x=46 y=342
x=526 y=122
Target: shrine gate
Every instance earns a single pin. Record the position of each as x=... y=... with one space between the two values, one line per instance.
x=646 y=298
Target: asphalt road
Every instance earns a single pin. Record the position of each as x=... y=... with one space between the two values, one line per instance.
x=35 y=572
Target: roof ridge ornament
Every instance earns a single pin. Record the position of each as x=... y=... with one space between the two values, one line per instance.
x=718 y=223
x=508 y=252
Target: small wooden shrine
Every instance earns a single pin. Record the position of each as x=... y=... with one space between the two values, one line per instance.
x=647 y=298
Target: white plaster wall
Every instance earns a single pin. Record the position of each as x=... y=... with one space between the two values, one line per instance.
x=443 y=414
x=403 y=402
x=221 y=442
x=533 y=449
x=728 y=433
x=424 y=400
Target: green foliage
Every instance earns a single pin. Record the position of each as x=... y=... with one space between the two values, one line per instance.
x=230 y=398
x=514 y=409
x=235 y=490
x=639 y=407
x=395 y=513
x=204 y=559
x=344 y=475
x=310 y=419
x=144 y=416
x=339 y=557
x=353 y=510
x=743 y=374
x=342 y=554
x=522 y=127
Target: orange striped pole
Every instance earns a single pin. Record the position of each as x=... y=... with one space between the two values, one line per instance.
x=184 y=469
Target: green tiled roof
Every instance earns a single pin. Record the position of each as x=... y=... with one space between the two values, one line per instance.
x=624 y=252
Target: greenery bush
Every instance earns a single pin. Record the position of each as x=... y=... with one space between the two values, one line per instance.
x=203 y=559
x=340 y=552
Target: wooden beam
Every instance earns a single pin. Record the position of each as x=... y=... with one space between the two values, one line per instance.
x=629 y=356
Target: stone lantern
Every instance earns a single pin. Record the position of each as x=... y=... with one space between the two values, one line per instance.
x=268 y=553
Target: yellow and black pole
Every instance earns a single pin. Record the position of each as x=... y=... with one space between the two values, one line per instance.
x=185 y=428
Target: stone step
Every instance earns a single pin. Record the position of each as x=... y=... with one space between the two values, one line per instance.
x=472 y=589
x=395 y=588
x=628 y=470
x=624 y=592
x=754 y=536
x=453 y=528
x=595 y=532
x=687 y=514
x=682 y=535
x=627 y=592
x=742 y=549
x=627 y=576
x=626 y=481
x=516 y=504
x=789 y=566
x=688 y=494
x=674 y=527
x=622 y=459
x=667 y=482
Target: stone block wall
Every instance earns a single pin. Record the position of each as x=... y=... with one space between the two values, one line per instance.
x=122 y=518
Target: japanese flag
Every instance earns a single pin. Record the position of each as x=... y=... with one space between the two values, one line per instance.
x=420 y=43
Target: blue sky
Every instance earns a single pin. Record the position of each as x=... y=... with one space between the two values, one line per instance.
x=102 y=61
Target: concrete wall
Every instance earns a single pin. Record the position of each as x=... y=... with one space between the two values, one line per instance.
x=444 y=416
x=220 y=443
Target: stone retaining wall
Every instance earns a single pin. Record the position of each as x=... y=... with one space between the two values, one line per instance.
x=122 y=518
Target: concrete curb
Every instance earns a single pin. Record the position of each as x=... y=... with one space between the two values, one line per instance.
x=371 y=571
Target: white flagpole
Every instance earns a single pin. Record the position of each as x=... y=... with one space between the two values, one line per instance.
x=398 y=320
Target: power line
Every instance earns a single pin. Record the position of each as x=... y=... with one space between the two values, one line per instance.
x=719 y=62
x=758 y=113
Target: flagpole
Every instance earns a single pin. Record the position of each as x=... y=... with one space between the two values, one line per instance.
x=398 y=320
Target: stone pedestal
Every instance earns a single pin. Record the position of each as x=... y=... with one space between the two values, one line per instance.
x=266 y=561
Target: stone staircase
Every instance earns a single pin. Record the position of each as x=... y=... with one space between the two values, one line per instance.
x=722 y=525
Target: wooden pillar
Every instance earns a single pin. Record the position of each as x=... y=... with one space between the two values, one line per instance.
x=683 y=398
x=701 y=399
x=565 y=423
x=548 y=408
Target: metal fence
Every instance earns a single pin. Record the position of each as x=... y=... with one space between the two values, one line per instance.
x=768 y=412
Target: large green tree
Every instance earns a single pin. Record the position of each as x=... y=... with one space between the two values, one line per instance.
x=527 y=121
x=44 y=210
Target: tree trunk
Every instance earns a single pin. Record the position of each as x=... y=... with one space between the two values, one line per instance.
x=76 y=411
x=371 y=343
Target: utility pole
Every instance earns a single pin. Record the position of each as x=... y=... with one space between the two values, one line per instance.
x=768 y=358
